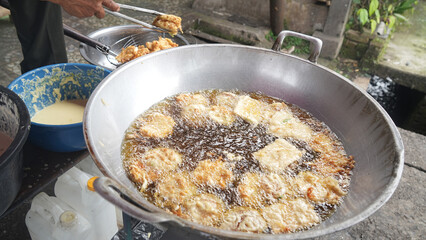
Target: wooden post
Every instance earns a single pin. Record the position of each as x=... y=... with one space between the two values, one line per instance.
x=276 y=8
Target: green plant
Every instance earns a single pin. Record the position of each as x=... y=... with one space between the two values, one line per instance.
x=372 y=12
x=270 y=36
x=301 y=46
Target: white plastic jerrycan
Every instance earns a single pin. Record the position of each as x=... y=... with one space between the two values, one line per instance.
x=88 y=166
x=72 y=188
x=51 y=219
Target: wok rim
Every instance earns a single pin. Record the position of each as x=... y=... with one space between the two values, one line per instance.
x=376 y=204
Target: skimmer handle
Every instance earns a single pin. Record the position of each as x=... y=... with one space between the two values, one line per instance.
x=71 y=32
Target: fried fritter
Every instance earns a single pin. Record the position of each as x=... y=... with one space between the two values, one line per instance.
x=290 y=216
x=132 y=52
x=244 y=219
x=169 y=22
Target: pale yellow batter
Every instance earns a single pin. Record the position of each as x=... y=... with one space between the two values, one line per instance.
x=60 y=113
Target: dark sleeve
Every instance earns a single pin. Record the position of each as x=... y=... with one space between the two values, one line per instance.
x=39 y=28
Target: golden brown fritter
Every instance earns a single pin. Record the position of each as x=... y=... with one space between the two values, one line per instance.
x=226 y=99
x=154 y=162
x=249 y=109
x=212 y=174
x=332 y=160
x=256 y=190
x=271 y=109
x=243 y=219
x=161 y=159
x=276 y=156
x=139 y=175
x=222 y=115
x=205 y=208
x=194 y=108
x=132 y=52
x=250 y=190
x=169 y=22
x=187 y=99
x=157 y=125
x=174 y=189
x=276 y=187
x=318 y=188
x=290 y=216
x=284 y=124
x=195 y=114
x=161 y=44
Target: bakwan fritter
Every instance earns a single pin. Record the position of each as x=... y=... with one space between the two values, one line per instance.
x=131 y=52
x=169 y=22
x=237 y=161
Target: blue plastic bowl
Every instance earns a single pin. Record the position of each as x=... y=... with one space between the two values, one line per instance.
x=44 y=86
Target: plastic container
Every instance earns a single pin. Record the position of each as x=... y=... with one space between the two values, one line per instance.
x=51 y=219
x=71 y=188
x=87 y=165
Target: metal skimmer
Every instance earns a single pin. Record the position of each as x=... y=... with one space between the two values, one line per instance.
x=135 y=40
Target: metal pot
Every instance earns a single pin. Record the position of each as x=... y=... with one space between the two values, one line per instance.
x=366 y=130
x=15 y=123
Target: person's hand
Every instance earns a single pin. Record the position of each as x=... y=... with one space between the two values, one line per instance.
x=87 y=8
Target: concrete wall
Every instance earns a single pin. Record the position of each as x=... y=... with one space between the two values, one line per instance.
x=303 y=16
x=252 y=10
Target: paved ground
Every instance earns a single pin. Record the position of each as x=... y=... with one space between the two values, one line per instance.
x=403 y=217
x=406 y=51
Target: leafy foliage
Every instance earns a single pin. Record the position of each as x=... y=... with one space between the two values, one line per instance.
x=270 y=36
x=372 y=12
x=301 y=46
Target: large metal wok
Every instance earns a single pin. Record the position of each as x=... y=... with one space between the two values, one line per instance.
x=366 y=130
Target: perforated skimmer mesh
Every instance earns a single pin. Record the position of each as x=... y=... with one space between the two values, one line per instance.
x=137 y=40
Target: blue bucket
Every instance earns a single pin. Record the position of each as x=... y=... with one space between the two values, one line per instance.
x=46 y=85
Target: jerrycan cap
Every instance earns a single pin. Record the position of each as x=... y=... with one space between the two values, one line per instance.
x=90 y=184
x=68 y=218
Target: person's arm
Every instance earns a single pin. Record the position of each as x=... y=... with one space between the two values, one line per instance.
x=86 y=8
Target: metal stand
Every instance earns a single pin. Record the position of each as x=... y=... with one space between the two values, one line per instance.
x=127 y=222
